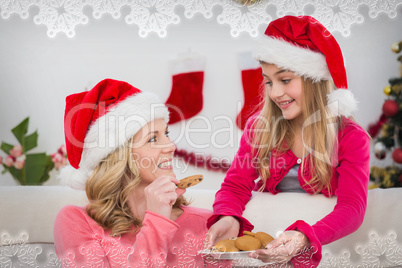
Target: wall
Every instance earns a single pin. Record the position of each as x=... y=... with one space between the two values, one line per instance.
x=38 y=72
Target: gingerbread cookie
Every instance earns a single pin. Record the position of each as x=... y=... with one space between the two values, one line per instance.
x=190 y=181
x=247 y=243
x=264 y=238
x=227 y=245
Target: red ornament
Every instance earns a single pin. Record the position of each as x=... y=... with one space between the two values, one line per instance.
x=390 y=108
x=397 y=155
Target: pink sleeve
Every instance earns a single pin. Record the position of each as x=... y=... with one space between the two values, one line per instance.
x=79 y=240
x=349 y=211
x=236 y=189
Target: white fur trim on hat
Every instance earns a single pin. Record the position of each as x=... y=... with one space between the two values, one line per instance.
x=302 y=61
x=111 y=131
x=75 y=178
x=341 y=102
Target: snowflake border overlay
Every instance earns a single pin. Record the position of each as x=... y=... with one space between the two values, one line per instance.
x=156 y=15
x=379 y=251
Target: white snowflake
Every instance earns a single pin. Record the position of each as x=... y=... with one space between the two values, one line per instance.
x=386 y=6
x=15 y=252
x=112 y=7
x=290 y=7
x=198 y=6
x=52 y=261
x=244 y=18
x=61 y=16
x=19 y=7
x=153 y=16
x=338 y=15
x=380 y=251
x=329 y=260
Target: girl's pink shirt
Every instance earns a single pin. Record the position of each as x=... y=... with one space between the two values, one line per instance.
x=349 y=183
x=161 y=242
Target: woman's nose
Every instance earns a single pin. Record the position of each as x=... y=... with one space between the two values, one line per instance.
x=169 y=146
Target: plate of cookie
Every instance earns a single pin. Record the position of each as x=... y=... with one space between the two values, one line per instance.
x=239 y=247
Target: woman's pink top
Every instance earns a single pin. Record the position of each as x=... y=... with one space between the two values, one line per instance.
x=161 y=242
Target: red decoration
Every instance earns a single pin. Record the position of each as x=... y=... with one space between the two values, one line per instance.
x=253 y=88
x=374 y=128
x=208 y=162
x=390 y=108
x=397 y=155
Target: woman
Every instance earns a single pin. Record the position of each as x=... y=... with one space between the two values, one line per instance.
x=120 y=153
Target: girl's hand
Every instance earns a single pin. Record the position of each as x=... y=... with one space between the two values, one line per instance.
x=161 y=195
x=226 y=227
x=283 y=249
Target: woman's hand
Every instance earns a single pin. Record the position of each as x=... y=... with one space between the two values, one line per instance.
x=281 y=250
x=161 y=195
x=226 y=227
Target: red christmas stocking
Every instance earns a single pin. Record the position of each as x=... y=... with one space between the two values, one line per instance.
x=253 y=88
x=186 y=98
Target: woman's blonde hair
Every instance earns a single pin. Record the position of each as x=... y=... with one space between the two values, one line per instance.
x=109 y=189
x=319 y=135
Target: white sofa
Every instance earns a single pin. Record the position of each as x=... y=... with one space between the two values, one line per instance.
x=28 y=212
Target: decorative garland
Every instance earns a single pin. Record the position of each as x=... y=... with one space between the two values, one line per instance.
x=201 y=161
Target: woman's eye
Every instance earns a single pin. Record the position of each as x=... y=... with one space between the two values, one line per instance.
x=153 y=139
x=285 y=81
x=167 y=133
x=268 y=83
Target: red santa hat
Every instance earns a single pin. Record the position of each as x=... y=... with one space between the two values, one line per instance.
x=98 y=121
x=303 y=45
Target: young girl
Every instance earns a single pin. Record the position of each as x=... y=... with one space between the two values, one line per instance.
x=121 y=155
x=303 y=140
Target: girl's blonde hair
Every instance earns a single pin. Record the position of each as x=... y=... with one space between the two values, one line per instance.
x=109 y=189
x=319 y=135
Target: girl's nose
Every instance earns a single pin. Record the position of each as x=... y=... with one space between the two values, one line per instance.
x=276 y=91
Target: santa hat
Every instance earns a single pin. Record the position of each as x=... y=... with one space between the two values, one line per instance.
x=303 y=45
x=99 y=121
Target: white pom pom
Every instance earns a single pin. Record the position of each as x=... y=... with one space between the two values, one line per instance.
x=342 y=102
x=75 y=178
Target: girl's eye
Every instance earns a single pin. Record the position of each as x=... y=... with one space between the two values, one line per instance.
x=167 y=133
x=153 y=139
x=285 y=81
x=268 y=83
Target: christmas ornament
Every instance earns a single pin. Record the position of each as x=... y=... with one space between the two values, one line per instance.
x=396 y=89
x=397 y=155
x=375 y=127
x=380 y=150
x=387 y=90
x=253 y=88
x=390 y=108
x=185 y=99
x=396 y=47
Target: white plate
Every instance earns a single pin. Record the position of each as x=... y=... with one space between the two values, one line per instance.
x=225 y=255
x=239 y=258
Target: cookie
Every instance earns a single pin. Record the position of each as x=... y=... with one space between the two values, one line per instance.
x=247 y=243
x=248 y=233
x=227 y=245
x=264 y=238
x=190 y=181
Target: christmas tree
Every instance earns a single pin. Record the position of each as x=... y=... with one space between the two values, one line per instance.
x=388 y=133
